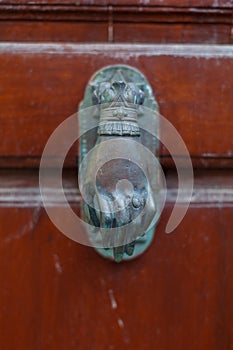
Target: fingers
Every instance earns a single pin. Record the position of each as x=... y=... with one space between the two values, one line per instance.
x=121 y=221
x=118 y=253
x=150 y=211
x=106 y=219
x=90 y=215
x=129 y=248
x=123 y=217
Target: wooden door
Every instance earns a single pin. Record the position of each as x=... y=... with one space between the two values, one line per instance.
x=57 y=294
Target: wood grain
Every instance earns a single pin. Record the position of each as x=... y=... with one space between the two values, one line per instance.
x=94 y=32
x=72 y=22
x=178 y=3
x=56 y=293
x=173 y=33
x=42 y=31
x=20 y=188
x=42 y=84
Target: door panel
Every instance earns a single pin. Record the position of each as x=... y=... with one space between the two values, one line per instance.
x=56 y=293
x=121 y=21
x=174 y=3
x=68 y=296
x=47 y=81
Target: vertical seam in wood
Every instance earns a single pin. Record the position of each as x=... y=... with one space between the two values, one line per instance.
x=231 y=29
x=110 y=25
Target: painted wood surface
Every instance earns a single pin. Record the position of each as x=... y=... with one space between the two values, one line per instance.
x=178 y=3
x=206 y=22
x=42 y=84
x=57 y=294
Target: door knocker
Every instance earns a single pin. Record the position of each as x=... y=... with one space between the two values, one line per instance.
x=119 y=172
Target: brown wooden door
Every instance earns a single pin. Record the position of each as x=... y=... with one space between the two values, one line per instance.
x=57 y=294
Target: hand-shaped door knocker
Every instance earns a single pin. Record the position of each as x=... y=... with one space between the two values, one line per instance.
x=119 y=173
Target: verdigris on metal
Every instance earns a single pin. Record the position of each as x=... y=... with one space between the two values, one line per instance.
x=119 y=96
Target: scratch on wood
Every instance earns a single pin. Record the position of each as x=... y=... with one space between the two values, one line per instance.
x=57 y=264
x=112 y=299
x=27 y=228
x=120 y=323
x=122 y=326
